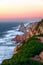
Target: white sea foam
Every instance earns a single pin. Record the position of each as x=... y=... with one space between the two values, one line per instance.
x=6 y=52
x=7 y=45
x=14 y=32
x=2 y=41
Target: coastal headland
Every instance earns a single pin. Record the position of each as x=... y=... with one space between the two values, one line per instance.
x=30 y=49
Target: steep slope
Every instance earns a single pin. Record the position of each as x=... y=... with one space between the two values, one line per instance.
x=39 y=26
x=29 y=48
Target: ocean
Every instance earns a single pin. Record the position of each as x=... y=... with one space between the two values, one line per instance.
x=8 y=30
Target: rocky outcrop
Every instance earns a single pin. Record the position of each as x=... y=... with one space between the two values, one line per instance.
x=41 y=55
x=38 y=57
x=34 y=29
x=19 y=38
x=41 y=29
x=22 y=28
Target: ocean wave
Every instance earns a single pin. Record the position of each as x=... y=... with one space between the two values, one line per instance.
x=7 y=45
x=7 y=39
x=6 y=52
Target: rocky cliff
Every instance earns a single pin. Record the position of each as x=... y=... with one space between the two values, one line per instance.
x=34 y=29
x=22 y=28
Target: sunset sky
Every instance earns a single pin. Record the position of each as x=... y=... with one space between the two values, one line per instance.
x=10 y=9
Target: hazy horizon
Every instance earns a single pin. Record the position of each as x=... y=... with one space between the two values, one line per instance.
x=21 y=20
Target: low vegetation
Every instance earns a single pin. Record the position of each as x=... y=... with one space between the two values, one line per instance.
x=30 y=48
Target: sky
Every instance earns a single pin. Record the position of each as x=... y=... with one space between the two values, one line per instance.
x=13 y=9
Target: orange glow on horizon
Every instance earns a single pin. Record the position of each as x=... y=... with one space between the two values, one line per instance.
x=21 y=9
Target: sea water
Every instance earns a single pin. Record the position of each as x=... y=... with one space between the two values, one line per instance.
x=7 y=32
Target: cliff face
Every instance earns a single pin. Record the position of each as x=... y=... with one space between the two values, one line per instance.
x=34 y=29
x=39 y=27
